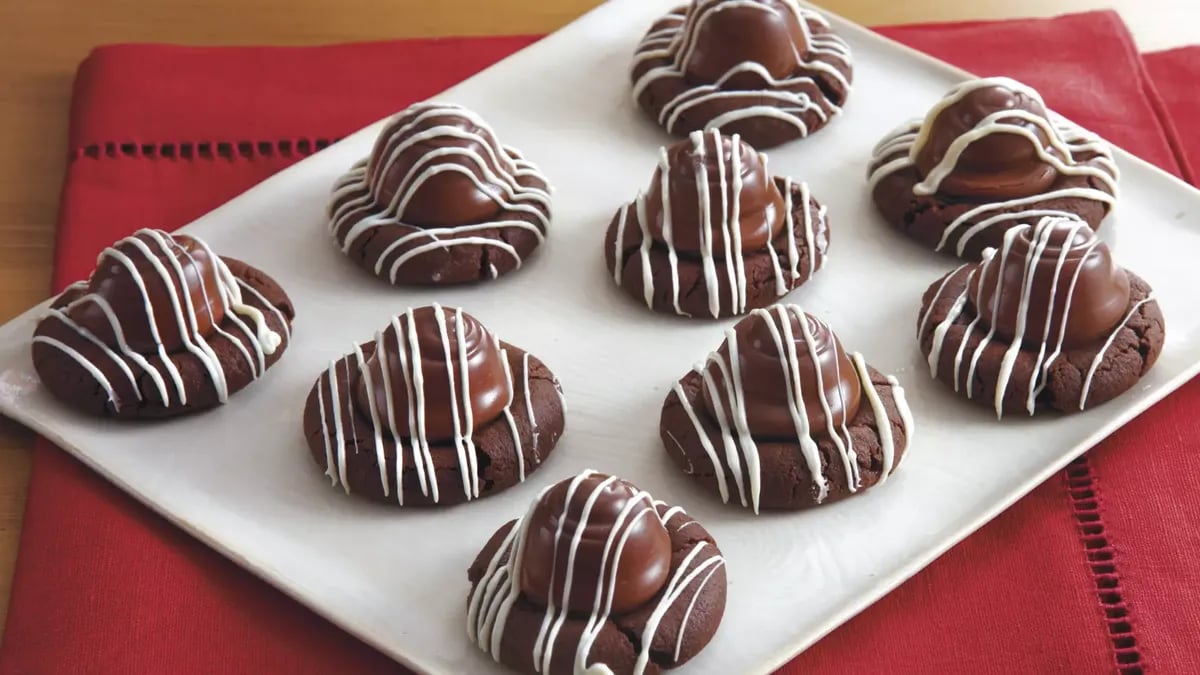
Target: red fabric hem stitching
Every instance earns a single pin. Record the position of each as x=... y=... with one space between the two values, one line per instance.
x=203 y=150
x=1101 y=560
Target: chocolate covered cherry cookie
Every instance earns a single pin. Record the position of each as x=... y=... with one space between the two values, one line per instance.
x=782 y=417
x=1046 y=321
x=771 y=71
x=440 y=201
x=434 y=410
x=716 y=235
x=162 y=327
x=989 y=157
x=599 y=577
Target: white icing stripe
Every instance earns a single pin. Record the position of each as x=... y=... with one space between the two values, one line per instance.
x=87 y=365
x=497 y=590
x=906 y=421
x=1018 y=216
x=330 y=471
x=526 y=385
x=674 y=42
x=132 y=355
x=462 y=427
x=1050 y=346
x=338 y=468
x=740 y=447
x=619 y=243
x=151 y=247
x=397 y=446
x=687 y=613
x=733 y=260
x=887 y=443
x=287 y=328
x=373 y=413
x=453 y=351
x=518 y=450
x=722 y=484
x=1087 y=382
x=898 y=151
x=687 y=572
x=360 y=204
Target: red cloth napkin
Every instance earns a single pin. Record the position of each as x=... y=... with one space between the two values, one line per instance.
x=1090 y=573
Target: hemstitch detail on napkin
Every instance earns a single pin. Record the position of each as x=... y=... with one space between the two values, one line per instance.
x=204 y=150
x=1085 y=503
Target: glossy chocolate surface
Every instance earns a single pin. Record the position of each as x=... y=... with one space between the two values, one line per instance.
x=700 y=179
x=999 y=164
x=727 y=34
x=1054 y=269
x=433 y=407
x=645 y=559
x=767 y=380
x=122 y=289
x=443 y=166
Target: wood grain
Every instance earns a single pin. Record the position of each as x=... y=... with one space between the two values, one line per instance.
x=42 y=41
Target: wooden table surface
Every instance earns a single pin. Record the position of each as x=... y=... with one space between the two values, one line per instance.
x=42 y=41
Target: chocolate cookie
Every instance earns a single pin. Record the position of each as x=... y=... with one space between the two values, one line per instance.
x=989 y=157
x=1048 y=321
x=715 y=235
x=596 y=574
x=434 y=411
x=440 y=201
x=769 y=70
x=162 y=327
x=781 y=417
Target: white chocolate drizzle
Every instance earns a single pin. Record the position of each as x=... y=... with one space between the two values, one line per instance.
x=674 y=41
x=243 y=325
x=1051 y=344
x=898 y=151
x=339 y=410
x=738 y=446
x=497 y=591
x=356 y=208
x=732 y=264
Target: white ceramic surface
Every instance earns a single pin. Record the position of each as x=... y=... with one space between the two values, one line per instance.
x=240 y=478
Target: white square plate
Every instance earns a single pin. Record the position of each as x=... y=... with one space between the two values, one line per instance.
x=240 y=477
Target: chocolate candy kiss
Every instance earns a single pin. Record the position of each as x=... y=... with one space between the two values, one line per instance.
x=606 y=514
x=147 y=281
x=703 y=171
x=999 y=159
x=440 y=167
x=781 y=352
x=438 y=372
x=722 y=35
x=1057 y=269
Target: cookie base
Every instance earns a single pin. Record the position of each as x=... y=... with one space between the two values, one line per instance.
x=1132 y=352
x=72 y=384
x=762 y=288
x=499 y=467
x=787 y=483
x=618 y=641
x=778 y=122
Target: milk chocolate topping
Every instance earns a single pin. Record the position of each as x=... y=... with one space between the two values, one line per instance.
x=447 y=170
x=1000 y=163
x=702 y=174
x=444 y=375
x=641 y=569
x=769 y=383
x=726 y=34
x=137 y=311
x=1053 y=271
